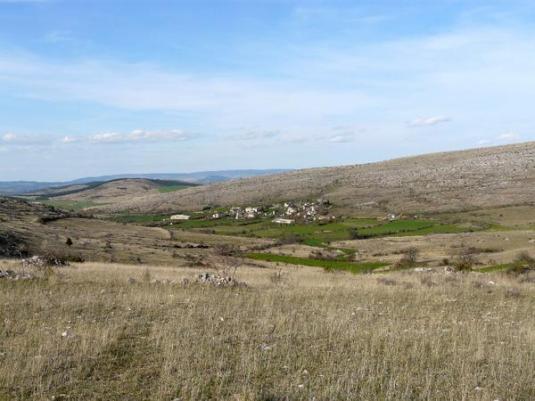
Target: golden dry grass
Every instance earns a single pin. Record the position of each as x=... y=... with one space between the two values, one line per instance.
x=86 y=333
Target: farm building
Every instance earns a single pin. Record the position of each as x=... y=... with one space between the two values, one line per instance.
x=179 y=217
x=280 y=220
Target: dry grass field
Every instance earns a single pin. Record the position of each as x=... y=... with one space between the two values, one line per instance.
x=41 y=230
x=121 y=332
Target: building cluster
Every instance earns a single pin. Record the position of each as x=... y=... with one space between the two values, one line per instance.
x=282 y=213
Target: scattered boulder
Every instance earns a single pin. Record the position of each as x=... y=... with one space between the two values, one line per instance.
x=422 y=269
x=190 y=245
x=218 y=280
x=40 y=262
x=12 y=275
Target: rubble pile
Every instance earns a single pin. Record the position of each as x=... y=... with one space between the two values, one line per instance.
x=13 y=275
x=218 y=280
x=43 y=261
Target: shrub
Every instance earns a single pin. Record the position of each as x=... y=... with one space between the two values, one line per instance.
x=523 y=263
x=465 y=260
x=409 y=258
x=290 y=239
x=225 y=250
x=353 y=233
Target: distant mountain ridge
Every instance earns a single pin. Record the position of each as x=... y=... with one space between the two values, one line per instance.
x=200 y=177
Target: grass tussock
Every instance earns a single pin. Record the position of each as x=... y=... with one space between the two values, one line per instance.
x=93 y=334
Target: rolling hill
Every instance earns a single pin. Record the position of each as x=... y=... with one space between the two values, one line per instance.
x=200 y=177
x=484 y=177
x=79 y=196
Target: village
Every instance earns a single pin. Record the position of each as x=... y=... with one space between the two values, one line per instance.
x=281 y=213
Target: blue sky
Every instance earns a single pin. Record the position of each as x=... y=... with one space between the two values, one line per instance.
x=104 y=87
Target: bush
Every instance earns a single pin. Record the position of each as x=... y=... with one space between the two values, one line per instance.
x=523 y=263
x=465 y=260
x=409 y=258
x=225 y=250
x=290 y=239
x=353 y=233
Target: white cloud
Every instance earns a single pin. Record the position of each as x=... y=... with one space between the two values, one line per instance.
x=69 y=139
x=140 y=136
x=9 y=137
x=506 y=137
x=58 y=37
x=509 y=136
x=343 y=134
x=341 y=138
x=255 y=135
x=142 y=86
x=136 y=136
x=482 y=77
x=428 y=121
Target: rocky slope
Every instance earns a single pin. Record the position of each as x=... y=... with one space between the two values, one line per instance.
x=459 y=180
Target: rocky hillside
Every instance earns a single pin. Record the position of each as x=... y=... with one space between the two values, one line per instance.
x=34 y=229
x=108 y=192
x=435 y=182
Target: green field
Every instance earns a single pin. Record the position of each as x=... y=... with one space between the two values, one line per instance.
x=172 y=188
x=313 y=233
x=143 y=219
x=410 y=227
x=496 y=268
x=352 y=267
x=317 y=234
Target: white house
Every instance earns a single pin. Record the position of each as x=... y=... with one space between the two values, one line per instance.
x=280 y=220
x=291 y=210
x=179 y=217
x=251 y=212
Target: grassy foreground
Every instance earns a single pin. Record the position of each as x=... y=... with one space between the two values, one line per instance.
x=88 y=333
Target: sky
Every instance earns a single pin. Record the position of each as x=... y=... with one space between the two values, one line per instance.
x=94 y=87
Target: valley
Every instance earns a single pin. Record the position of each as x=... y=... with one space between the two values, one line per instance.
x=386 y=282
